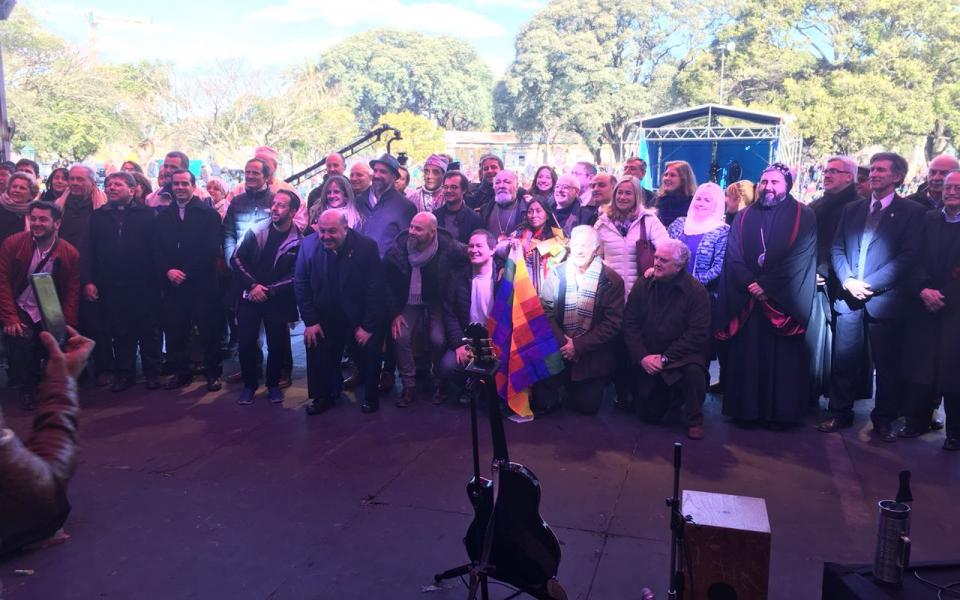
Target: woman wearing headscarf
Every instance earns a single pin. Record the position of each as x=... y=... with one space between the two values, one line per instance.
x=336 y=193
x=739 y=196
x=541 y=189
x=677 y=185
x=55 y=185
x=22 y=188
x=704 y=231
x=540 y=238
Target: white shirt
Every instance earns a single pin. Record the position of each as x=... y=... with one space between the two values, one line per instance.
x=884 y=202
x=481 y=297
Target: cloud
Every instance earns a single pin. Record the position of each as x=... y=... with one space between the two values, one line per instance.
x=429 y=17
x=516 y=5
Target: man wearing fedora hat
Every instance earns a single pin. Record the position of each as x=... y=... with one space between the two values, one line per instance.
x=386 y=211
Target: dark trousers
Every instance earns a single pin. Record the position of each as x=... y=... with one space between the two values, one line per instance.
x=324 y=375
x=919 y=408
x=25 y=354
x=583 y=396
x=856 y=334
x=654 y=395
x=93 y=327
x=250 y=315
x=184 y=308
x=128 y=322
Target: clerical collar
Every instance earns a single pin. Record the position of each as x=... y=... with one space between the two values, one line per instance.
x=948 y=218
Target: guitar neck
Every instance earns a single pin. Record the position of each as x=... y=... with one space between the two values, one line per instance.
x=497 y=435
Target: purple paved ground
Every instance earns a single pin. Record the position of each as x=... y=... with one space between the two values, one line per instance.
x=188 y=495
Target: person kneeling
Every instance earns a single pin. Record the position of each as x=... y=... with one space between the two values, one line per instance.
x=666 y=326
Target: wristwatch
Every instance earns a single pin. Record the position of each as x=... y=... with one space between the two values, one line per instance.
x=664 y=360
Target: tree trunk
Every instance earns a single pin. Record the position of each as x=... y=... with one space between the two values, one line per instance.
x=936 y=142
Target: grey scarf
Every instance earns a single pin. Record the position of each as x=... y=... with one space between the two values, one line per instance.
x=418 y=258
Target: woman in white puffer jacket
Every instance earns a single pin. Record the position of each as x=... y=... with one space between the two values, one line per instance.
x=619 y=230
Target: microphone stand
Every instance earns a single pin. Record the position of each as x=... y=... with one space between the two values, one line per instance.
x=677 y=523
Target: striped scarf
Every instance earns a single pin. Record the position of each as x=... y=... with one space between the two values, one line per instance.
x=578 y=300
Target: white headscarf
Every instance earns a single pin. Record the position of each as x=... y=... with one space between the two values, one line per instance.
x=696 y=224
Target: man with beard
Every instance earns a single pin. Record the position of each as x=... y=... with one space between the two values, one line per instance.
x=569 y=211
x=874 y=251
x=637 y=167
x=766 y=290
x=185 y=254
x=40 y=250
x=387 y=213
x=505 y=213
x=116 y=266
x=427 y=197
x=422 y=263
x=481 y=194
x=930 y=193
x=453 y=215
x=338 y=282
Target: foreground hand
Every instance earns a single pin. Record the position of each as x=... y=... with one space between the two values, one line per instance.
x=757 y=292
x=821 y=280
x=90 y=292
x=648 y=273
x=397 y=327
x=362 y=336
x=13 y=330
x=932 y=299
x=176 y=276
x=463 y=355
x=312 y=334
x=858 y=289
x=651 y=364
x=258 y=293
x=568 y=351
x=70 y=361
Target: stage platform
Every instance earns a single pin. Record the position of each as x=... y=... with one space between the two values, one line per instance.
x=188 y=495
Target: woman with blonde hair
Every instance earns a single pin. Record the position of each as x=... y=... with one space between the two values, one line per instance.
x=704 y=231
x=677 y=185
x=337 y=193
x=739 y=196
x=22 y=188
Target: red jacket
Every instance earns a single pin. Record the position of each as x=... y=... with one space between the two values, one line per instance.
x=15 y=255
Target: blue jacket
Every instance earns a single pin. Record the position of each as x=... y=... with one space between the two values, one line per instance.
x=708 y=261
x=385 y=221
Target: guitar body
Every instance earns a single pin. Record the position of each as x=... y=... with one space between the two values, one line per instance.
x=524 y=552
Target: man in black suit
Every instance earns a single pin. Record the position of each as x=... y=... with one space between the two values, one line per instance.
x=338 y=282
x=186 y=251
x=876 y=245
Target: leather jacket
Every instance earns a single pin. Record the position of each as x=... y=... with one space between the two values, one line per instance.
x=34 y=476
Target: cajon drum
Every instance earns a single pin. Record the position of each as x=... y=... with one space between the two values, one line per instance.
x=728 y=544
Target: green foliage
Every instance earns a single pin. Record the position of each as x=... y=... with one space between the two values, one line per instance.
x=386 y=71
x=421 y=137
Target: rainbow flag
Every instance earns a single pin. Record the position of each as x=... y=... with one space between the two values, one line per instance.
x=521 y=333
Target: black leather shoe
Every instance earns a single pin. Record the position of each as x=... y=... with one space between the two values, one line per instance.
x=121 y=384
x=951 y=444
x=936 y=424
x=911 y=430
x=835 y=424
x=318 y=406
x=214 y=384
x=178 y=381
x=369 y=407
x=353 y=381
x=885 y=433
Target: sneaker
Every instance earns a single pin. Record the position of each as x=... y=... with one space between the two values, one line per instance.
x=214 y=384
x=275 y=394
x=285 y=382
x=246 y=396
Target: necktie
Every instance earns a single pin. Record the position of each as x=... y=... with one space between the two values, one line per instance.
x=875 y=207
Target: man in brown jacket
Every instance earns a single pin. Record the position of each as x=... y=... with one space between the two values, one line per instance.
x=34 y=475
x=666 y=326
x=583 y=298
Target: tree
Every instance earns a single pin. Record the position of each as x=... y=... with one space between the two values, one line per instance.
x=421 y=137
x=589 y=66
x=384 y=71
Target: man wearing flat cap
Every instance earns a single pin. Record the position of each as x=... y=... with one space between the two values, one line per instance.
x=427 y=197
x=766 y=293
x=386 y=211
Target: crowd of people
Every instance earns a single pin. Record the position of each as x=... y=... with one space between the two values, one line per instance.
x=642 y=289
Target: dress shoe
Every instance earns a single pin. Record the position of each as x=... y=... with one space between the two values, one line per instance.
x=885 y=433
x=284 y=382
x=951 y=444
x=234 y=377
x=275 y=394
x=835 y=424
x=102 y=379
x=27 y=400
x=152 y=382
x=386 y=381
x=353 y=381
x=369 y=407
x=936 y=423
x=121 y=384
x=319 y=405
x=695 y=432
x=214 y=384
x=911 y=430
x=177 y=381
x=407 y=397
x=715 y=388
x=246 y=396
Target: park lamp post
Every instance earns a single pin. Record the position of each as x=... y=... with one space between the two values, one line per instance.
x=6 y=7
x=724 y=50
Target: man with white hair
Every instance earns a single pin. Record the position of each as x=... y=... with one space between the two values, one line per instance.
x=583 y=299
x=666 y=325
x=422 y=263
x=506 y=212
x=930 y=193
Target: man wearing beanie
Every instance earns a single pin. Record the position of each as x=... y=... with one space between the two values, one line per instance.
x=427 y=197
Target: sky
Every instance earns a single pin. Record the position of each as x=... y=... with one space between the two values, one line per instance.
x=195 y=34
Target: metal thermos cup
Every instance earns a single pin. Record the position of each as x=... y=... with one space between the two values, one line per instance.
x=893 y=542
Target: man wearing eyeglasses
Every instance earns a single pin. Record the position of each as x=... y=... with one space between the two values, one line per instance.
x=453 y=214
